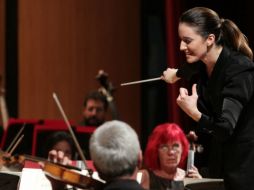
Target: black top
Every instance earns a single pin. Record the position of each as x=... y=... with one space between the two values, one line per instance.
x=227 y=104
x=160 y=183
x=8 y=181
x=123 y=184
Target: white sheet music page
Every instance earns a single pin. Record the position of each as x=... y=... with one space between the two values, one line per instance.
x=32 y=179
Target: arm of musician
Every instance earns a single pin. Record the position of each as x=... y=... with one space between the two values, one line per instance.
x=193 y=173
x=170 y=75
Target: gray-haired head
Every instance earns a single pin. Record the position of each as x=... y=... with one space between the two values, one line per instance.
x=114 y=149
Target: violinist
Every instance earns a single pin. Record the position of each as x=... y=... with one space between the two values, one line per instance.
x=116 y=154
x=59 y=141
x=165 y=159
x=95 y=109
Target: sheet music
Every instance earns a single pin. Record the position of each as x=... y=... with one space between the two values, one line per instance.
x=32 y=179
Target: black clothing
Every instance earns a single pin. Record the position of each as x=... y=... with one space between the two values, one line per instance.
x=8 y=181
x=160 y=183
x=227 y=104
x=123 y=184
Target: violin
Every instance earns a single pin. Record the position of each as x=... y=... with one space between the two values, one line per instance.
x=65 y=174
x=107 y=90
x=71 y=177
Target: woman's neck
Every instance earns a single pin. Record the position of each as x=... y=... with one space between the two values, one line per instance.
x=211 y=58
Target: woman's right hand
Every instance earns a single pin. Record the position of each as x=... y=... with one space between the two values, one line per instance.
x=188 y=103
x=193 y=173
x=169 y=75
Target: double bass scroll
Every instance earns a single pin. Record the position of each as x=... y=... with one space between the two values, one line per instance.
x=107 y=90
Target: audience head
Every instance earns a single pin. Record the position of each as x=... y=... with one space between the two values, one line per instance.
x=95 y=108
x=167 y=145
x=115 y=150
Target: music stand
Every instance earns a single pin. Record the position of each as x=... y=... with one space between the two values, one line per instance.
x=204 y=184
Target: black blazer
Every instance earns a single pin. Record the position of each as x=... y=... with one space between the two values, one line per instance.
x=227 y=104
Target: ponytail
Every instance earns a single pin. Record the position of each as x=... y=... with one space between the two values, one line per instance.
x=234 y=38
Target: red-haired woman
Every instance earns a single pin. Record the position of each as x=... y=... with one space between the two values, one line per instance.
x=165 y=158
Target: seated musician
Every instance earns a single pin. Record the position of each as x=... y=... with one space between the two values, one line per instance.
x=116 y=154
x=59 y=140
x=165 y=157
x=95 y=109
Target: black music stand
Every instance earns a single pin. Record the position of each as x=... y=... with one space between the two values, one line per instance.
x=204 y=184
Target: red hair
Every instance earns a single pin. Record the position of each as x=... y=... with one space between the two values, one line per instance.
x=162 y=134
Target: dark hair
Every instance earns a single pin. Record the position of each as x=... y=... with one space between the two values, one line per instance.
x=226 y=32
x=96 y=95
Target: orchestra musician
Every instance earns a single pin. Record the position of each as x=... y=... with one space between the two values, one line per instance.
x=94 y=109
x=116 y=154
x=165 y=159
x=96 y=103
x=222 y=102
x=59 y=140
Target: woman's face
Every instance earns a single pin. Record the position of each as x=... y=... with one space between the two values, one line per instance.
x=65 y=147
x=170 y=154
x=192 y=44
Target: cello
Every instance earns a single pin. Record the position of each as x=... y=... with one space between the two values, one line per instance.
x=192 y=137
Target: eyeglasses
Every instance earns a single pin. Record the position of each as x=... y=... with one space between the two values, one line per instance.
x=176 y=147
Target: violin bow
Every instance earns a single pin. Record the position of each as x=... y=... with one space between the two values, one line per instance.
x=15 y=142
x=70 y=129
